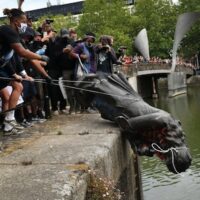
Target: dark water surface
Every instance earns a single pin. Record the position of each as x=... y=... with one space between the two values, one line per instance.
x=158 y=183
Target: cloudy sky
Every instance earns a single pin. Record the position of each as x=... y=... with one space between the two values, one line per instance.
x=29 y=4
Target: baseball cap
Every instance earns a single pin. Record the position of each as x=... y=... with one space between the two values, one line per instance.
x=89 y=35
x=64 y=33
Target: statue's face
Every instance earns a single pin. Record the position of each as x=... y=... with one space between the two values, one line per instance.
x=179 y=158
x=168 y=144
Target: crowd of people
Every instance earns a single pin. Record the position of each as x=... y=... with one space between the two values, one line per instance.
x=33 y=61
x=191 y=63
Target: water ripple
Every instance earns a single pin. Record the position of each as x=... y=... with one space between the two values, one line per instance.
x=158 y=182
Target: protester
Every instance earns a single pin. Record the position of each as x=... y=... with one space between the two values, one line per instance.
x=33 y=93
x=66 y=53
x=54 y=51
x=67 y=64
x=73 y=35
x=19 y=68
x=106 y=56
x=86 y=52
x=29 y=21
x=10 y=42
x=87 y=60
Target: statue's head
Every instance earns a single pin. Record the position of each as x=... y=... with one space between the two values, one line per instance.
x=166 y=140
x=177 y=158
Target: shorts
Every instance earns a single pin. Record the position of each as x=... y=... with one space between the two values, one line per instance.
x=29 y=89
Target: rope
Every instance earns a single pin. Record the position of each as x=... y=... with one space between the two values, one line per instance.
x=71 y=87
x=44 y=81
x=16 y=108
x=65 y=86
x=64 y=81
x=69 y=81
x=157 y=148
x=95 y=92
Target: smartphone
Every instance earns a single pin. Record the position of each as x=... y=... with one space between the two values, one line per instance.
x=45 y=34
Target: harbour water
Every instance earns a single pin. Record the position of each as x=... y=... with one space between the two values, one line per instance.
x=158 y=183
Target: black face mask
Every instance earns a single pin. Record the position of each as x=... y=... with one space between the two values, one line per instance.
x=65 y=39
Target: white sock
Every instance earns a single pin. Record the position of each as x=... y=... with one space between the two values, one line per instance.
x=10 y=115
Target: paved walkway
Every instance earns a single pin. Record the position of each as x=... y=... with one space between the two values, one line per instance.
x=50 y=160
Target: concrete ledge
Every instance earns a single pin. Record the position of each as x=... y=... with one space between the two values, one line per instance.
x=53 y=163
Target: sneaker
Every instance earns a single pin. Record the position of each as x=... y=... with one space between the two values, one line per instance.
x=15 y=125
x=55 y=113
x=37 y=120
x=78 y=111
x=26 y=124
x=91 y=111
x=72 y=112
x=41 y=114
x=64 y=111
x=13 y=131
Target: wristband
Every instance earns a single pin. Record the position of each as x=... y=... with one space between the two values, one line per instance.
x=23 y=73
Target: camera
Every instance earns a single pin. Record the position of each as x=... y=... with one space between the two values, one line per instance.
x=49 y=21
x=105 y=47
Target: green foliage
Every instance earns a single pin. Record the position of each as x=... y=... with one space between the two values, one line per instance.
x=189 y=6
x=111 y=18
x=60 y=21
x=4 y=21
x=105 y=17
x=191 y=43
x=159 y=18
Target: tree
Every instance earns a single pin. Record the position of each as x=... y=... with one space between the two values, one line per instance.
x=4 y=21
x=107 y=17
x=188 y=6
x=60 y=21
x=159 y=18
x=111 y=17
x=191 y=43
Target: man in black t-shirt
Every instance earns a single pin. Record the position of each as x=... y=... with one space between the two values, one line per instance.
x=67 y=64
x=10 y=43
x=7 y=37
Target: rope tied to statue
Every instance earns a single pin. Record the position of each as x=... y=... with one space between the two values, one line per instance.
x=157 y=148
x=72 y=87
x=55 y=83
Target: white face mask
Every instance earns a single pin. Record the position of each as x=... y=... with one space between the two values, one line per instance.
x=22 y=28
